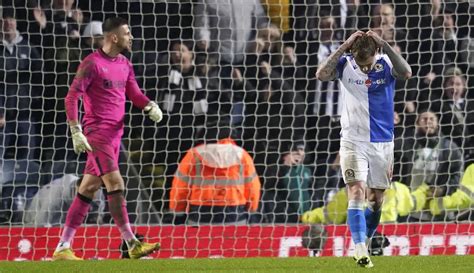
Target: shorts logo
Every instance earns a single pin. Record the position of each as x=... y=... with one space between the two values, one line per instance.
x=349 y=173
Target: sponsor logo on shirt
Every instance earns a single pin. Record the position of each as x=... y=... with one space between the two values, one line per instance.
x=358 y=82
x=380 y=81
x=108 y=84
x=367 y=82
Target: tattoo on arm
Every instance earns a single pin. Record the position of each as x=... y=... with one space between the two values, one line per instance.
x=327 y=70
x=401 y=69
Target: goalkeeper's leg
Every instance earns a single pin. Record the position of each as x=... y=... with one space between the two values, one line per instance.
x=118 y=209
x=75 y=216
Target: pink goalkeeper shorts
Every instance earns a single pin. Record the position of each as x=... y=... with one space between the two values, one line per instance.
x=104 y=156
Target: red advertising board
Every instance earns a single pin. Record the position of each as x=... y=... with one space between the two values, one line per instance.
x=102 y=242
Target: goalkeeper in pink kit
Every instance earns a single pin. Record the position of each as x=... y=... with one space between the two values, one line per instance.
x=104 y=79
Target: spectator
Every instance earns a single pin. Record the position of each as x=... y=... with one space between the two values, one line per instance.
x=219 y=96
x=274 y=118
x=470 y=54
x=93 y=37
x=60 y=26
x=418 y=19
x=398 y=203
x=228 y=39
x=183 y=97
x=46 y=210
x=258 y=52
x=19 y=182
x=216 y=182
x=63 y=22
x=326 y=110
x=269 y=48
x=224 y=30
x=218 y=31
x=346 y=13
x=441 y=47
x=281 y=57
x=456 y=110
x=287 y=188
x=59 y=22
x=425 y=156
x=383 y=21
x=286 y=63
x=20 y=94
x=327 y=95
x=399 y=200
x=462 y=200
x=451 y=47
x=279 y=13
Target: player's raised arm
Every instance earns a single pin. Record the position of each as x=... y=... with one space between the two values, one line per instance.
x=139 y=99
x=327 y=70
x=401 y=68
x=84 y=76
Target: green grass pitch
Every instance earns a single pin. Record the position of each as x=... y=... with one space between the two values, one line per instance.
x=407 y=264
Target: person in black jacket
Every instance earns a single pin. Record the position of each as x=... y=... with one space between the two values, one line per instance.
x=287 y=189
x=426 y=156
x=274 y=121
x=456 y=110
x=20 y=94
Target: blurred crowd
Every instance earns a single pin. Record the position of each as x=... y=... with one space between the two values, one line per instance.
x=247 y=66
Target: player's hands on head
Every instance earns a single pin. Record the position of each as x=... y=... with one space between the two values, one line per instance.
x=378 y=40
x=79 y=140
x=353 y=37
x=154 y=111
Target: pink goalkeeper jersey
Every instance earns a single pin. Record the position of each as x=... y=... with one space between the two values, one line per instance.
x=104 y=82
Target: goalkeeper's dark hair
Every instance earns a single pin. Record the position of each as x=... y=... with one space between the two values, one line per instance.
x=364 y=47
x=113 y=23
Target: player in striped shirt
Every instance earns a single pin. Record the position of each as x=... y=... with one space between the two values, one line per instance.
x=367 y=127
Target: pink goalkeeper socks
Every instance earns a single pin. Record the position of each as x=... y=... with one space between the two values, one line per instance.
x=75 y=216
x=118 y=209
x=126 y=231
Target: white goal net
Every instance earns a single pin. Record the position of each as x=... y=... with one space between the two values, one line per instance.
x=244 y=69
